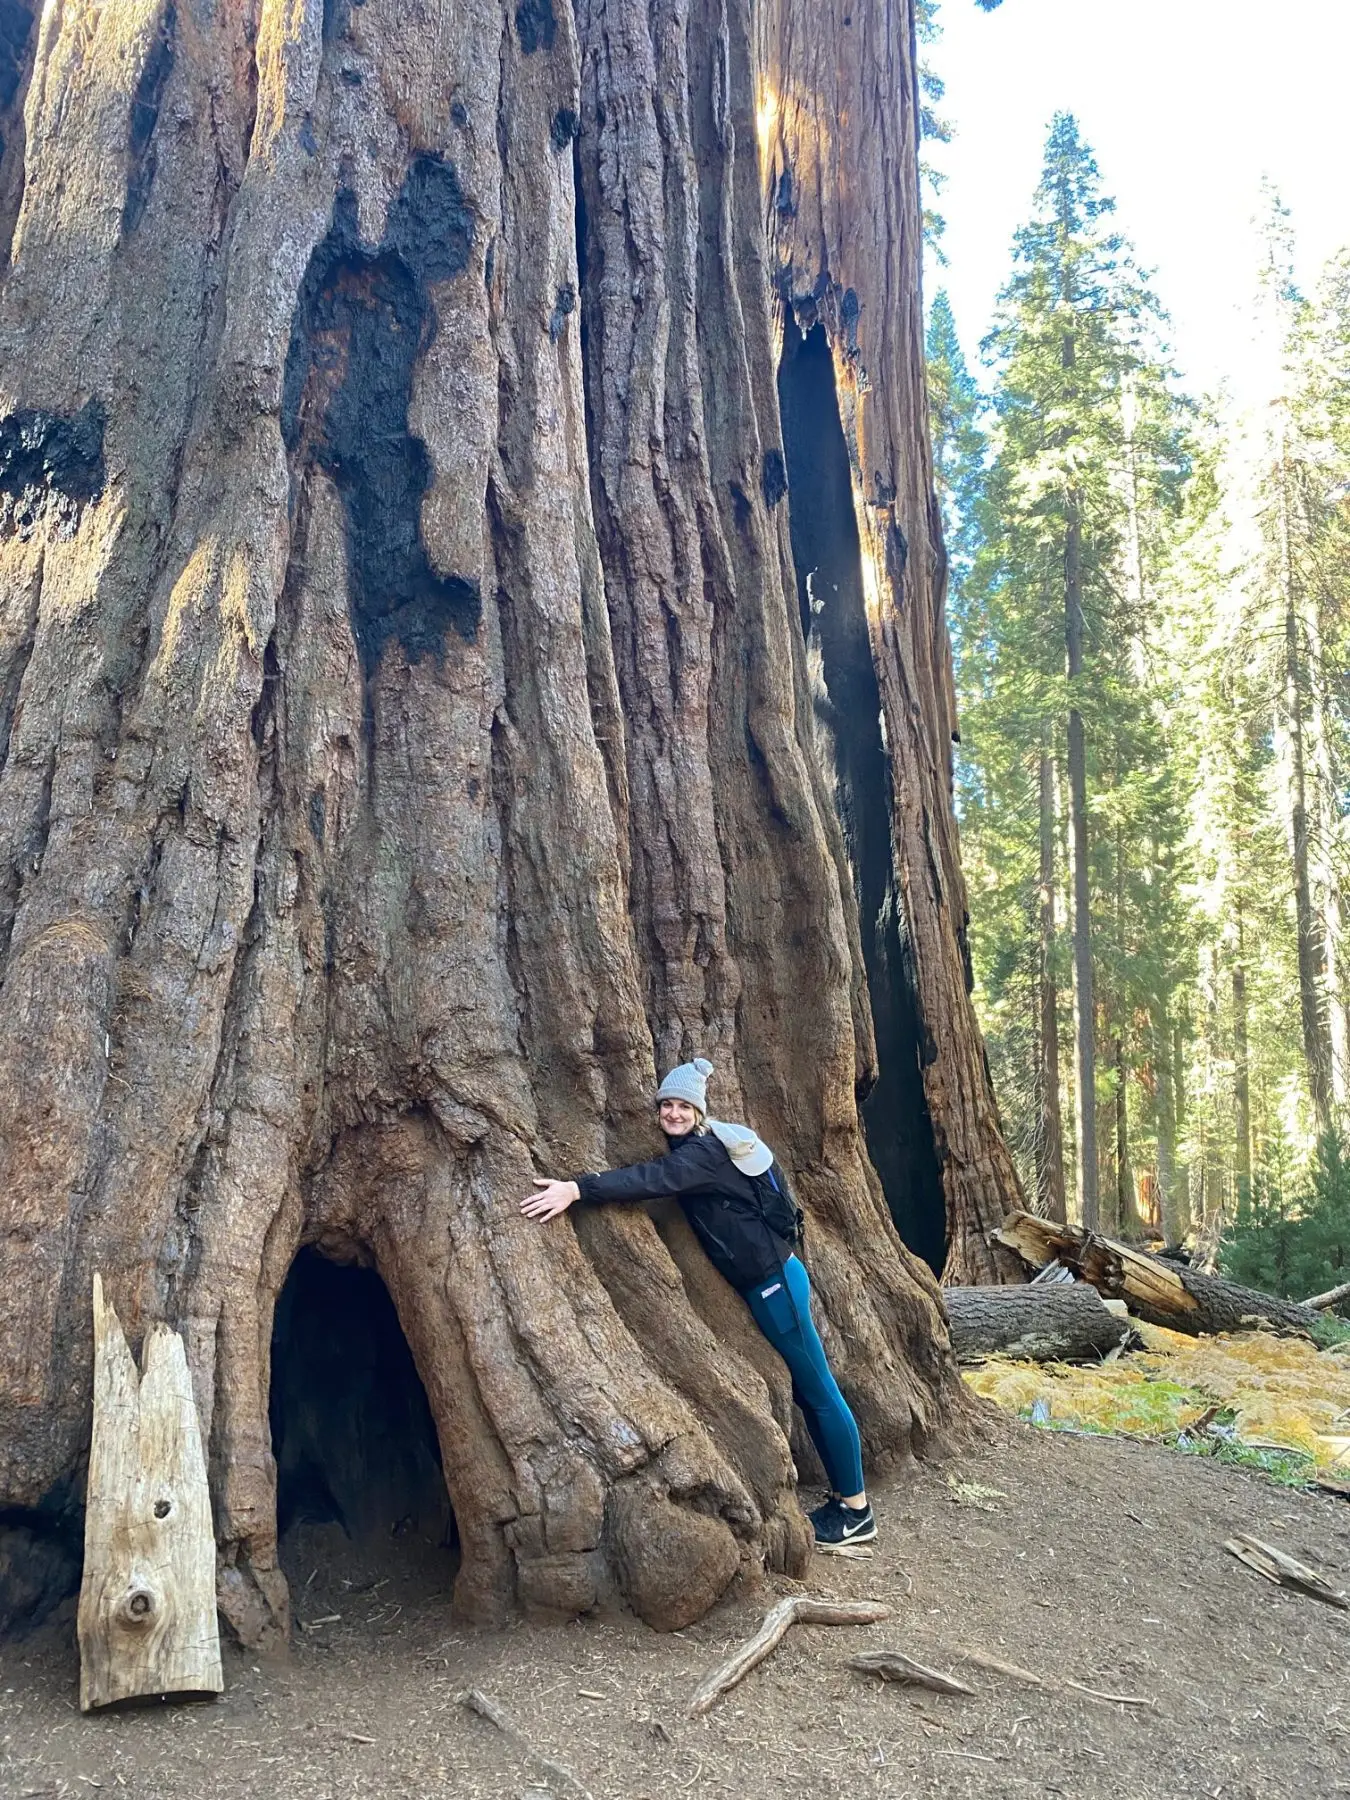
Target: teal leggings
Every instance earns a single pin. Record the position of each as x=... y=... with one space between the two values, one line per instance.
x=782 y=1309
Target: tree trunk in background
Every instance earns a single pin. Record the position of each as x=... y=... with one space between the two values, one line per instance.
x=1084 y=1004
x=1049 y=1130
x=1325 y=872
x=408 y=742
x=1127 y=1208
x=1242 y=1093
x=1173 y=1208
x=1178 y=1046
x=1213 y=1192
x=1311 y=960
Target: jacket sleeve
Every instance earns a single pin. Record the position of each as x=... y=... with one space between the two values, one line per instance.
x=694 y=1164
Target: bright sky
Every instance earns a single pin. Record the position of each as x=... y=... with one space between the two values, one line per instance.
x=1187 y=104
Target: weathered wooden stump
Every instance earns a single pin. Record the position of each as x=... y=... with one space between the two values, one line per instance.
x=147 y=1619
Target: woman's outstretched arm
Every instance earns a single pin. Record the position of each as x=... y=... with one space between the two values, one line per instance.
x=693 y=1163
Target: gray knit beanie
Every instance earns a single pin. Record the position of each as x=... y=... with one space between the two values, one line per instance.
x=688 y=1082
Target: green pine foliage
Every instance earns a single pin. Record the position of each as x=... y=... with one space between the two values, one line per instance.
x=1215 y=581
x=1086 y=417
x=1296 y=1244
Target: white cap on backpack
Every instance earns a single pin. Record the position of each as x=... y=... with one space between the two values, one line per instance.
x=749 y=1152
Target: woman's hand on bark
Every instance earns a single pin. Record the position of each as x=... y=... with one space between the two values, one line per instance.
x=554 y=1197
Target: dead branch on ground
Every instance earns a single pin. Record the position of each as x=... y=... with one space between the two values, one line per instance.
x=996 y=1666
x=778 y=1621
x=487 y=1708
x=1284 y=1570
x=894 y=1665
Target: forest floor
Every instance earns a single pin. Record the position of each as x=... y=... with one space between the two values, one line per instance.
x=1093 y=1559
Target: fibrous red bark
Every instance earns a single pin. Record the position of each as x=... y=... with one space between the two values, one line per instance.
x=409 y=747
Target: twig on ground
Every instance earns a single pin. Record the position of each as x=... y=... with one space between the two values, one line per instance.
x=779 y=1619
x=1284 y=1570
x=894 y=1665
x=487 y=1708
x=983 y=1660
x=1080 y=1687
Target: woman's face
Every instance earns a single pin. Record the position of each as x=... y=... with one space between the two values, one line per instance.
x=677 y=1118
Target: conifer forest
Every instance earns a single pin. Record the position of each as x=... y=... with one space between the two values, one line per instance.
x=1149 y=601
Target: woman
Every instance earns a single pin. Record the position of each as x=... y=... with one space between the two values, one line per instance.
x=718 y=1173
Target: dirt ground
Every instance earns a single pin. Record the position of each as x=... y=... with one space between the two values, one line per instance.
x=1096 y=1560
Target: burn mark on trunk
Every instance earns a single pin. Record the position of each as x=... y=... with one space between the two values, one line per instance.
x=50 y=464
x=774 y=480
x=364 y=317
x=565 y=127
x=828 y=559
x=41 y=1555
x=536 y=25
x=16 y=25
x=17 y=49
x=142 y=156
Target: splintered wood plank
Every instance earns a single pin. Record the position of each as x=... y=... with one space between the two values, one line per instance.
x=147 y=1618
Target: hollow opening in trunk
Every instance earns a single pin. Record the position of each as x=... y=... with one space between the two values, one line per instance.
x=41 y=1556
x=828 y=560
x=361 y=1496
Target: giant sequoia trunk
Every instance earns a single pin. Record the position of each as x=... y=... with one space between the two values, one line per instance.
x=409 y=744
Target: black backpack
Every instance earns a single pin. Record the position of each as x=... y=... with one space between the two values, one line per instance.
x=778 y=1205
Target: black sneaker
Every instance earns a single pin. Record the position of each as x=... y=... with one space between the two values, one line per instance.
x=837 y=1525
x=819 y=1514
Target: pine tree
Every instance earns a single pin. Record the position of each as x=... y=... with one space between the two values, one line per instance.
x=1296 y=606
x=959 y=448
x=1089 y=465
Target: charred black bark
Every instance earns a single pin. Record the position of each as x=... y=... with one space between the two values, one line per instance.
x=51 y=455
x=361 y=325
x=828 y=562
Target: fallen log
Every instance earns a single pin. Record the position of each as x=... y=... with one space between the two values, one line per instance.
x=1163 y=1292
x=1048 y=1323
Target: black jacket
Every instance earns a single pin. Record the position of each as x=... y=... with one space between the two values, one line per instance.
x=720 y=1203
